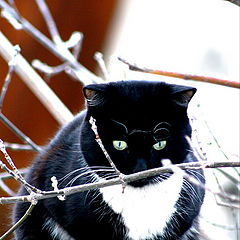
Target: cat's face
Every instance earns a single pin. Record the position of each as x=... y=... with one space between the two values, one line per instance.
x=140 y=123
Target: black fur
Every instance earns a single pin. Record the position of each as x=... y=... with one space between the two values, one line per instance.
x=138 y=112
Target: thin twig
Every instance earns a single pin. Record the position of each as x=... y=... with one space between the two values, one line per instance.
x=36 y=83
x=20 y=221
x=116 y=181
x=52 y=28
x=195 y=136
x=5 y=175
x=5 y=85
x=92 y=121
x=77 y=47
x=18 y=147
x=19 y=133
x=15 y=173
x=28 y=186
x=212 y=80
x=229 y=228
x=74 y=42
x=230 y=177
x=11 y=67
x=223 y=195
x=48 y=70
x=9 y=159
x=99 y=58
x=6 y=189
x=80 y=72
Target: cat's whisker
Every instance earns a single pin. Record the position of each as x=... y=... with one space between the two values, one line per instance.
x=71 y=173
x=109 y=176
x=196 y=174
x=82 y=169
x=190 y=190
x=91 y=174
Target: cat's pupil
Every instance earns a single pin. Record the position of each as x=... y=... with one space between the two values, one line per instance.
x=160 y=145
x=119 y=145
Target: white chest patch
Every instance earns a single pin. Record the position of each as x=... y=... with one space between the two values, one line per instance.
x=145 y=211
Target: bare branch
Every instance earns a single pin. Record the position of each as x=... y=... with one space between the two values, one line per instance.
x=52 y=28
x=92 y=121
x=212 y=80
x=48 y=70
x=61 y=51
x=126 y=178
x=35 y=83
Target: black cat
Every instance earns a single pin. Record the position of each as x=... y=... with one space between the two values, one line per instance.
x=140 y=123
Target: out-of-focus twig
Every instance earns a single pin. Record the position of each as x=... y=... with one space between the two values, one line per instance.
x=212 y=80
x=52 y=28
x=60 y=50
x=99 y=58
x=18 y=146
x=6 y=189
x=35 y=83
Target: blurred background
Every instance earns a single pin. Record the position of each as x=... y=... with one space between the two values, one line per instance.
x=188 y=36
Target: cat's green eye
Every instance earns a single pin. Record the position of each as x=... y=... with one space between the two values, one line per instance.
x=160 y=145
x=119 y=145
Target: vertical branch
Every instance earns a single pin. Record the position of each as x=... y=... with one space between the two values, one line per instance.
x=92 y=121
x=8 y=78
x=99 y=58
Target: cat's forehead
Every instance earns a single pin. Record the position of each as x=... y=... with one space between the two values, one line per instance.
x=138 y=90
x=140 y=103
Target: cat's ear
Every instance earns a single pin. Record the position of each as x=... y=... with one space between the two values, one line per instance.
x=183 y=94
x=94 y=94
